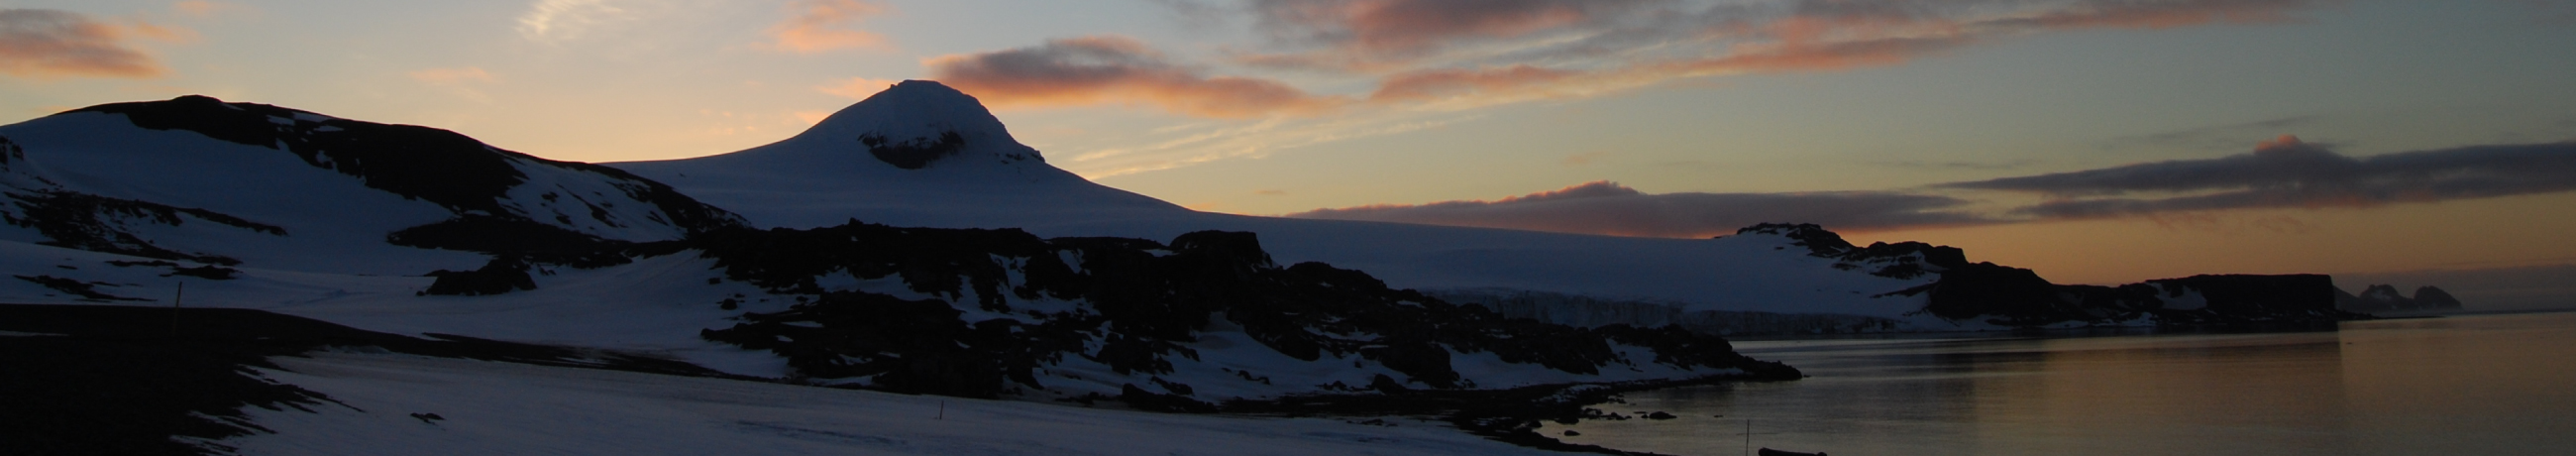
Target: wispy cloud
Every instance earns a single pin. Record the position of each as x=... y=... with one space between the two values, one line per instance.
x=1369 y=33
x=1611 y=209
x=1614 y=48
x=1256 y=139
x=1196 y=14
x=43 y=43
x=1115 y=69
x=2288 y=173
x=560 y=20
x=824 y=25
x=1461 y=54
x=2229 y=136
x=1440 y=60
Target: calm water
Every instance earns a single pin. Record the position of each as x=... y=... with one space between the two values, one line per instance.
x=2487 y=385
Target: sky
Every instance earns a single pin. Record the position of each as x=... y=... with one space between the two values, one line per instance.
x=2096 y=141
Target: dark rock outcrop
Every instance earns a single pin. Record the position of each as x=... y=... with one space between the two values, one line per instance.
x=99 y=224
x=1143 y=303
x=87 y=291
x=1589 y=311
x=915 y=153
x=501 y=275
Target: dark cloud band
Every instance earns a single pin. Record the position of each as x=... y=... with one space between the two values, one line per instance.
x=1608 y=208
x=2287 y=173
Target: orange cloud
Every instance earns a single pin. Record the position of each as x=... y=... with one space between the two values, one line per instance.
x=1825 y=37
x=822 y=26
x=1116 y=70
x=40 y=43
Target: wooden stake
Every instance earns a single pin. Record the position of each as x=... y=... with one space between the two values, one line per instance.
x=1748 y=436
x=175 y=301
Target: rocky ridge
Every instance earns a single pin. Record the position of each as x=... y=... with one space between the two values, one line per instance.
x=2006 y=296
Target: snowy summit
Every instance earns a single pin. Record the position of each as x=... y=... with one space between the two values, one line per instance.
x=905 y=156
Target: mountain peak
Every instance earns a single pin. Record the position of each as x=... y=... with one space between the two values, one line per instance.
x=917 y=124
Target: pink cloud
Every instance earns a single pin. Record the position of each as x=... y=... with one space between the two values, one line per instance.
x=40 y=43
x=1398 y=26
x=1504 y=51
x=1817 y=37
x=1116 y=70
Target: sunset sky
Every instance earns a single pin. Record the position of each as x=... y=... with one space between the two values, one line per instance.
x=2097 y=141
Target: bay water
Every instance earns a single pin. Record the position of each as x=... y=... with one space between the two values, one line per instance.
x=2486 y=385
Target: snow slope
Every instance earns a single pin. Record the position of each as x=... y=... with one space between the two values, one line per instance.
x=502 y=408
x=198 y=179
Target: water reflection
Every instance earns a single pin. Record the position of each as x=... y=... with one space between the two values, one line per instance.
x=2487 y=385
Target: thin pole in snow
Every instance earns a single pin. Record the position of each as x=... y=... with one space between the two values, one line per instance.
x=175 y=301
x=1748 y=436
x=943 y=411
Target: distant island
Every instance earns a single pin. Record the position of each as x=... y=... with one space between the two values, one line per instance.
x=2384 y=298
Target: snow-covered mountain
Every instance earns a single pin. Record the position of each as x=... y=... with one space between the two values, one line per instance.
x=978 y=177
x=199 y=180
x=908 y=244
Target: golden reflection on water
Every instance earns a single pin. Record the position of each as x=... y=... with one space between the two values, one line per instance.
x=2479 y=385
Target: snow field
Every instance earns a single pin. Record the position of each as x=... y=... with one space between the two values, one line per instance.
x=504 y=408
